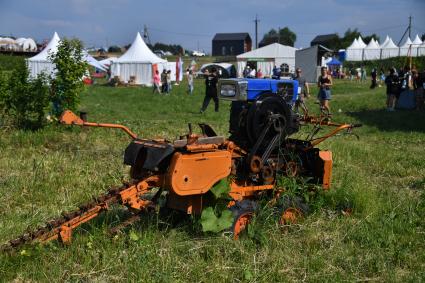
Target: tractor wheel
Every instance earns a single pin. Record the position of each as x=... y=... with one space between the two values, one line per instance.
x=243 y=211
x=292 y=209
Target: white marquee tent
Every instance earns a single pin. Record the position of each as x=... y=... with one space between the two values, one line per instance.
x=372 y=51
x=361 y=42
x=267 y=57
x=40 y=62
x=404 y=49
x=355 y=51
x=138 y=61
x=385 y=41
x=389 y=50
x=417 y=41
x=421 y=49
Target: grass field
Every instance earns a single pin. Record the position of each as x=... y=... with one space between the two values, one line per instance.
x=381 y=176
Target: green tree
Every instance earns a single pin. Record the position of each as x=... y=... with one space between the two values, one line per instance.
x=70 y=68
x=284 y=36
x=368 y=38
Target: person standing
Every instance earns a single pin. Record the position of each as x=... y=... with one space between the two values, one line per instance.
x=190 y=82
x=324 y=83
x=418 y=86
x=303 y=90
x=393 y=89
x=156 y=82
x=164 y=81
x=374 y=75
x=211 y=80
x=362 y=74
x=168 y=81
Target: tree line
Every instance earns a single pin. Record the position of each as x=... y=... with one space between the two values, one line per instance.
x=288 y=37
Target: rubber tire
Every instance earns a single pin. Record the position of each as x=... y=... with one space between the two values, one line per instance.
x=239 y=209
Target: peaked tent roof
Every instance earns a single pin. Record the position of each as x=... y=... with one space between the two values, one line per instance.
x=139 y=52
x=385 y=41
x=274 y=50
x=417 y=40
x=361 y=42
x=372 y=44
x=354 y=44
x=407 y=43
x=51 y=48
x=389 y=44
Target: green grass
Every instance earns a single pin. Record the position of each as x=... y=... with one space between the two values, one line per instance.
x=381 y=175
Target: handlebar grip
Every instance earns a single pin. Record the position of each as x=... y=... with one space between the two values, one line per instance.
x=357 y=125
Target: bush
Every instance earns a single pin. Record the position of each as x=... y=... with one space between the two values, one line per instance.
x=67 y=84
x=24 y=100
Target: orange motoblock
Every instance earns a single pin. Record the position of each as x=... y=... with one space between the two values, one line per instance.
x=185 y=170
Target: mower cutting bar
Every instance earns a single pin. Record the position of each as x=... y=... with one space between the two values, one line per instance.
x=61 y=228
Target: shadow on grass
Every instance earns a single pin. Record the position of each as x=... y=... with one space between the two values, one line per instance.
x=399 y=120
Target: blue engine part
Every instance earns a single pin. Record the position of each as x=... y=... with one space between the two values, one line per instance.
x=255 y=102
x=252 y=89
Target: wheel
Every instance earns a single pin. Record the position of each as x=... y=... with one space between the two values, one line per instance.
x=292 y=209
x=243 y=211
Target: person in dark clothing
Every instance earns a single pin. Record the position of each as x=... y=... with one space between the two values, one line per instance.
x=374 y=75
x=393 y=89
x=211 y=80
x=418 y=86
x=164 y=88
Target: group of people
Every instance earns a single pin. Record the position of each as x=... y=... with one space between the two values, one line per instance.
x=162 y=83
x=402 y=80
x=251 y=73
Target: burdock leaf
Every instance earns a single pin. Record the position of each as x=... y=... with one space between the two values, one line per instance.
x=221 y=189
x=210 y=222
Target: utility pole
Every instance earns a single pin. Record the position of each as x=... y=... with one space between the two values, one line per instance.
x=409 y=29
x=278 y=35
x=256 y=30
x=146 y=34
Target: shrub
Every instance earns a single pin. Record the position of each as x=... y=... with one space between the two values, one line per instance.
x=67 y=84
x=24 y=100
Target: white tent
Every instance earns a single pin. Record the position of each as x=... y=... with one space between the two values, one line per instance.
x=267 y=57
x=406 y=48
x=93 y=62
x=389 y=50
x=417 y=41
x=40 y=62
x=385 y=41
x=372 y=51
x=138 y=61
x=29 y=45
x=421 y=49
x=355 y=51
x=108 y=61
x=361 y=42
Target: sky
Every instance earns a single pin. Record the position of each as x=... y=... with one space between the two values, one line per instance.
x=193 y=23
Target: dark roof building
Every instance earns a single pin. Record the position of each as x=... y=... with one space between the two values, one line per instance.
x=231 y=44
x=323 y=39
